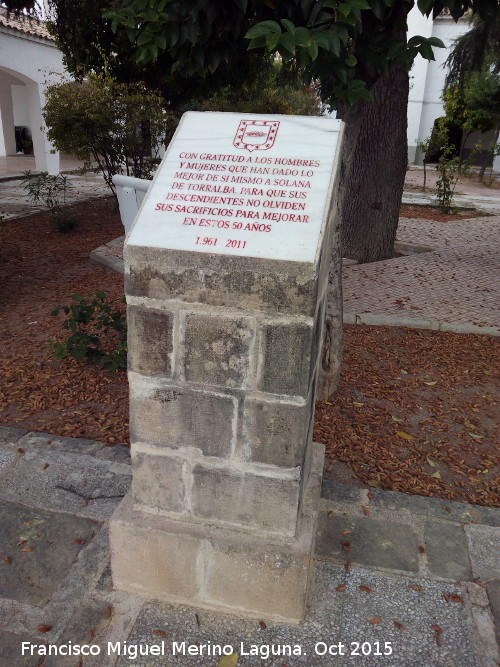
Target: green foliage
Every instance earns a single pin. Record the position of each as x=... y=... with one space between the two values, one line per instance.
x=274 y=91
x=51 y=191
x=345 y=44
x=121 y=126
x=481 y=96
x=92 y=319
x=449 y=165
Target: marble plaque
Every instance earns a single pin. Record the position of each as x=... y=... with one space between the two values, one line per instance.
x=242 y=184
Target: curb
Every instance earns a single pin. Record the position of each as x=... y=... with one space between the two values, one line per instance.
x=372 y=319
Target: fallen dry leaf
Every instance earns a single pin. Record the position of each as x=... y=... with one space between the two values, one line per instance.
x=416 y=588
x=365 y=510
x=262 y=625
x=79 y=541
x=44 y=628
x=45 y=466
x=26 y=549
x=374 y=621
x=7 y=559
x=107 y=613
x=160 y=633
x=341 y=588
x=421 y=549
x=399 y=626
x=229 y=660
x=365 y=589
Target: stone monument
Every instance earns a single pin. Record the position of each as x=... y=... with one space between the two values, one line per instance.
x=226 y=276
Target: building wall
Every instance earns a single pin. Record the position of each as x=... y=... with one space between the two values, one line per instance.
x=20 y=105
x=30 y=63
x=427 y=77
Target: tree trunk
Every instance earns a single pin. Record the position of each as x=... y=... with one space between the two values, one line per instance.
x=372 y=173
x=373 y=166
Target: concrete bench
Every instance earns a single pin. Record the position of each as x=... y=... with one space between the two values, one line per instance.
x=130 y=193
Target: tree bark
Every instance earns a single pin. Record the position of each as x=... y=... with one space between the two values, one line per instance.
x=372 y=173
x=373 y=166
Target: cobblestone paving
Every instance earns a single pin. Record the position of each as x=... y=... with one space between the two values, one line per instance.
x=456 y=283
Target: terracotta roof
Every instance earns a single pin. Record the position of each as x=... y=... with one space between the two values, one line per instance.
x=25 y=24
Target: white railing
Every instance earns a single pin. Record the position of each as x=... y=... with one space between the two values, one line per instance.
x=130 y=193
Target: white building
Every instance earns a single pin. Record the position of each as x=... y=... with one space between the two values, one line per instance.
x=29 y=60
x=427 y=82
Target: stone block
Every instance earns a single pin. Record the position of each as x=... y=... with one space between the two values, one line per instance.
x=258 y=579
x=493 y=590
x=484 y=547
x=275 y=433
x=180 y=417
x=250 y=283
x=147 y=560
x=217 y=350
x=371 y=542
x=446 y=549
x=286 y=367
x=150 y=341
x=157 y=482
x=218 y=567
x=246 y=499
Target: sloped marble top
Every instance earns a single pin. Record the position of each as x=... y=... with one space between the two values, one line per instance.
x=242 y=184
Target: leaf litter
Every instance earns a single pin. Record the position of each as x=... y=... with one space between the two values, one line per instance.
x=451 y=422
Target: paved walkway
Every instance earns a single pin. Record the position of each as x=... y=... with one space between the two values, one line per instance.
x=419 y=578
x=455 y=287
x=14 y=202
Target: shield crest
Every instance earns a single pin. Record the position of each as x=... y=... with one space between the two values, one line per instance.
x=256 y=135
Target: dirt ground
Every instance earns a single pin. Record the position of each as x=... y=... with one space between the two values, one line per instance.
x=416 y=410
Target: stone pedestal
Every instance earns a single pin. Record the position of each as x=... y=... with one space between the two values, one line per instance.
x=223 y=356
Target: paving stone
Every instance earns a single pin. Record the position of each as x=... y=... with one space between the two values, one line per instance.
x=57 y=443
x=367 y=541
x=7 y=457
x=42 y=547
x=335 y=616
x=11 y=650
x=446 y=549
x=484 y=549
x=67 y=482
x=116 y=453
x=435 y=507
x=340 y=492
x=9 y=435
x=85 y=626
x=493 y=590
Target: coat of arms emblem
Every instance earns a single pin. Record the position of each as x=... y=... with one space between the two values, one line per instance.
x=256 y=135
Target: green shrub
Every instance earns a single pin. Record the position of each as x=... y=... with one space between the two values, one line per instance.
x=93 y=324
x=51 y=191
x=120 y=126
